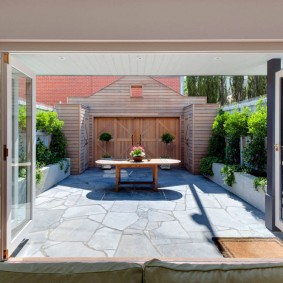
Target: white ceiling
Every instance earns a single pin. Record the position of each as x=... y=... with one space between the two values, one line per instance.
x=154 y=64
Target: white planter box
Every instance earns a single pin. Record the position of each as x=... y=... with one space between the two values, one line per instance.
x=243 y=187
x=52 y=174
x=106 y=166
x=165 y=166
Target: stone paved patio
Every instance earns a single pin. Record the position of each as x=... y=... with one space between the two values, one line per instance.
x=83 y=216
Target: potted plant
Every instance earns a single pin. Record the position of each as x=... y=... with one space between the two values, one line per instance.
x=137 y=153
x=167 y=139
x=105 y=137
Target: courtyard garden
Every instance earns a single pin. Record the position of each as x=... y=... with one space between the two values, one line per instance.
x=238 y=145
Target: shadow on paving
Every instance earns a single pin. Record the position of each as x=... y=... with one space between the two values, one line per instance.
x=172 y=184
x=140 y=194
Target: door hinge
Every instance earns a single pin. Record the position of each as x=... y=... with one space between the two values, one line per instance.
x=276 y=147
x=5 y=254
x=6 y=58
x=5 y=152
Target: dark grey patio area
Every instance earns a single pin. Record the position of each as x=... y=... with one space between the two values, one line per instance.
x=83 y=216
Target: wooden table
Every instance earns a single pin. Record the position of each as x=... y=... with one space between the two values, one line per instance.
x=152 y=163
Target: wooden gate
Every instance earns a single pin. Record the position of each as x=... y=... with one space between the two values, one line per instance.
x=133 y=131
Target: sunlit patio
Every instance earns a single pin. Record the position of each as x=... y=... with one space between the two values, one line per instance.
x=83 y=216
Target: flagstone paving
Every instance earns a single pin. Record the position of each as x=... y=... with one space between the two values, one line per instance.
x=83 y=216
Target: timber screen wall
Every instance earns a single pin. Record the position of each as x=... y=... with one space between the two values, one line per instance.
x=135 y=120
x=198 y=125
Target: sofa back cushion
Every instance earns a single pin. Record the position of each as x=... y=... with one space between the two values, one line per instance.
x=71 y=272
x=156 y=271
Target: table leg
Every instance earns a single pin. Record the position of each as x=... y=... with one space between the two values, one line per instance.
x=155 y=177
x=117 y=177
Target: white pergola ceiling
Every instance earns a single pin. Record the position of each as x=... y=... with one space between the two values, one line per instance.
x=154 y=64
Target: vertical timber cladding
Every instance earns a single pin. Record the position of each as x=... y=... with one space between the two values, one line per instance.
x=114 y=101
x=128 y=131
x=84 y=138
x=198 y=120
x=76 y=130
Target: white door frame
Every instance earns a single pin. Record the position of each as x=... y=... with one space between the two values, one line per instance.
x=10 y=244
x=1 y=158
x=278 y=151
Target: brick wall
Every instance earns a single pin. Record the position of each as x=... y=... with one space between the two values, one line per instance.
x=52 y=90
x=172 y=82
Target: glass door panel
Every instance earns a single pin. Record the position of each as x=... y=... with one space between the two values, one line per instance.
x=20 y=140
x=279 y=151
x=1 y=160
x=21 y=122
x=280 y=199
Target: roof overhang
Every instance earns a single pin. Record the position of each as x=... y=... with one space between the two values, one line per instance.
x=148 y=63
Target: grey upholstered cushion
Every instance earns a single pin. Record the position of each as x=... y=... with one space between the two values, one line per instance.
x=109 y=272
x=157 y=271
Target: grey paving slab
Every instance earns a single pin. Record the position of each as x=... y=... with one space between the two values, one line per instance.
x=136 y=246
x=119 y=221
x=31 y=249
x=169 y=230
x=38 y=237
x=158 y=205
x=44 y=218
x=154 y=216
x=72 y=199
x=125 y=206
x=72 y=249
x=221 y=217
x=97 y=217
x=245 y=216
x=86 y=210
x=140 y=224
x=55 y=203
x=77 y=230
x=40 y=199
x=152 y=226
x=105 y=239
x=192 y=222
x=189 y=250
x=83 y=216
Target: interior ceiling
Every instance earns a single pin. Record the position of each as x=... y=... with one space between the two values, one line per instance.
x=153 y=64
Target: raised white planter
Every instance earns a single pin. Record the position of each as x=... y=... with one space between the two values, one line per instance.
x=52 y=174
x=106 y=166
x=243 y=187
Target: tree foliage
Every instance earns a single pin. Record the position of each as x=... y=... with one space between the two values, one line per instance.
x=48 y=122
x=238 y=88
x=217 y=88
x=217 y=141
x=22 y=118
x=235 y=126
x=256 y=86
x=255 y=151
x=191 y=85
x=203 y=86
x=223 y=91
x=257 y=123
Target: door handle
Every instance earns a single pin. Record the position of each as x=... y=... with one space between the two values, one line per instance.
x=140 y=139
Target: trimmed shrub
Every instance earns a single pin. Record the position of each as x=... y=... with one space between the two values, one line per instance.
x=206 y=165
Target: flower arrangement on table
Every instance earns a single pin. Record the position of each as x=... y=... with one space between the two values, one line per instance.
x=137 y=153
